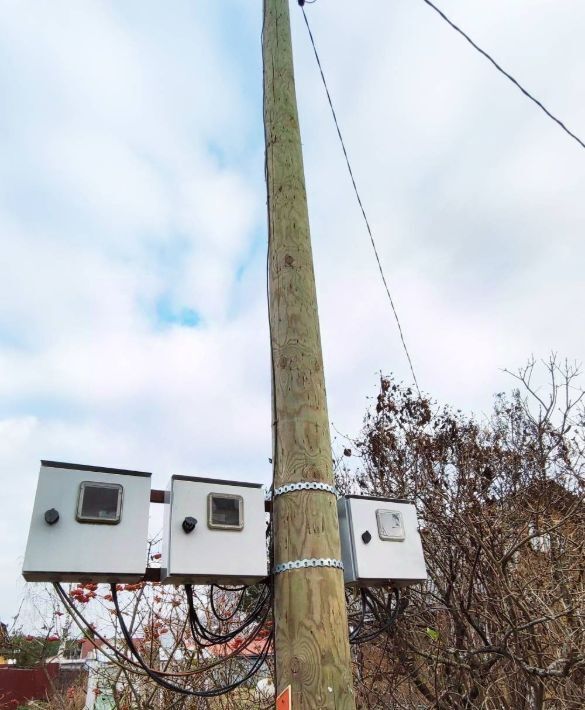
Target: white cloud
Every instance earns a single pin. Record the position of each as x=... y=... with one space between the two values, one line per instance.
x=133 y=176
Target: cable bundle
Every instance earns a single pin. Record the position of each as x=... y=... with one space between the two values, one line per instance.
x=376 y=617
x=203 y=636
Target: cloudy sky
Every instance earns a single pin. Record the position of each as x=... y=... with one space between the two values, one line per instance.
x=132 y=221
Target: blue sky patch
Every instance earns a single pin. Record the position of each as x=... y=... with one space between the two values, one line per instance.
x=168 y=314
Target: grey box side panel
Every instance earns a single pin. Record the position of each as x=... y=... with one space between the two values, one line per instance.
x=346 y=539
x=166 y=541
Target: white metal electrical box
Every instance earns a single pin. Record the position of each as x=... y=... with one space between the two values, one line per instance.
x=380 y=542
x=215 y=531
x=88 y=524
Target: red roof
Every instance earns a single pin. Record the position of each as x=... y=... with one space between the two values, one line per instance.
x=254 y=648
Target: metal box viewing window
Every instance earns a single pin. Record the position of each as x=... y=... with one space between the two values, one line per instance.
x=225 y=511
x=390 y=524
x=100 y=503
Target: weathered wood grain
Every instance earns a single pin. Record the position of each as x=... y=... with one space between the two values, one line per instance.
x=312 y=649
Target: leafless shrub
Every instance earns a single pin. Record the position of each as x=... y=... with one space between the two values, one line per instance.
x=500 y=623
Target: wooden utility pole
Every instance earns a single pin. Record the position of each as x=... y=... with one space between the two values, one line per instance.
x=311 y=633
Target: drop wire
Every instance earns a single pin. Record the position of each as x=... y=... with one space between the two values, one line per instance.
x=360 y=203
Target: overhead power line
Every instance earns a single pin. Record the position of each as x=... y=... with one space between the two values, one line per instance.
x=359 y=199
x=505 y=73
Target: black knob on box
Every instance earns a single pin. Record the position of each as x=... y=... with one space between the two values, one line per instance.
x=366 y=537
x=189 y=524
x=51 y=516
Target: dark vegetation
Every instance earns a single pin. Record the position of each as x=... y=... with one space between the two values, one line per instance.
x=500 y=623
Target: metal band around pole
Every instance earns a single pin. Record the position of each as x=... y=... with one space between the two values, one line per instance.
x=299 y=564
x=305 y=486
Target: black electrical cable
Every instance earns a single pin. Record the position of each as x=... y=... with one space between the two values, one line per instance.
x=385 y=628
x=138 y=666
x=368 y=638
x=360 y=203
x=230 y=589
x=176 y=688
x=74 y=612
x=370 y=601
x=504 y=72
x=212 y=638
x=274 y=417
x=236 y=608
x=119 y=657
x=242 y=590
x=379 y=610
x=219 y=637
x=356 y=630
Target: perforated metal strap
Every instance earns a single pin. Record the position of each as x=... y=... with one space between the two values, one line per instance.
x=299 y=564
x=305 y=486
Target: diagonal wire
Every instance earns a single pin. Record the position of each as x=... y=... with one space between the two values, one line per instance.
x=359 y=199
x=505 y=73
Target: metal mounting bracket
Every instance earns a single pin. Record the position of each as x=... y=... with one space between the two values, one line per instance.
x=304 y=486
x=314 y=562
